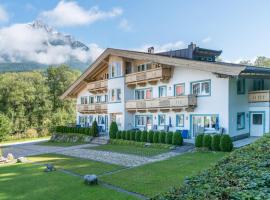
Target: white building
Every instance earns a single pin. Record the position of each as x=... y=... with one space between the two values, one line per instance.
x=178 y=90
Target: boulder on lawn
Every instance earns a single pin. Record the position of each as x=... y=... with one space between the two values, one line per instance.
x=49 y=168
x=22 y=160
x=10 y=157
x=90 y=179
x=3 y=159
x=147 y=144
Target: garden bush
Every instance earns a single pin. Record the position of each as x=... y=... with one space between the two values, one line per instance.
x=132 y=135
x=199 y=141
x=177 y=139
x=215 y=145
x=162 y=137
x=150 y=136
x=169 y=136
x=94 y=129
x=144 y=136
x=113 y=130
x=243 y=174
x=127 y=135
x=155 y=137
x=123 y=136
x=118 y=135
x=138 y=136
x=226 y=143
x=207 y=139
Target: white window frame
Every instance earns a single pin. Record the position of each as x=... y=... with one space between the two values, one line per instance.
x=200 y=88
x=115 y=69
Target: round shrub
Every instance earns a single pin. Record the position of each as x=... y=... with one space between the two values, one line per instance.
x=169 y=136
x=162 y=136
x=199 y=141
x=118 y=135
x=226 y=143
x=132 y=135
x=155 y=137
x=207 y=139
x=177 y=139
x=150 y=136
x=113 y=130
x=215 y=145
x=123 y=135
x=127 y=135
x=138 y=136
x=144 y=136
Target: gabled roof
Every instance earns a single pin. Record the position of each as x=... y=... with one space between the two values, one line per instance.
x=214 y=67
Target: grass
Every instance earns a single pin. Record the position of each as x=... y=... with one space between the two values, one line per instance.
x=76 y=165
x=155 y=178
x=131 y=149
x=27 y=181
x=60 y=144
x=23 y=140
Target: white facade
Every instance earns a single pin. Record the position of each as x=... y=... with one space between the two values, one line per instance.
x=221 y=109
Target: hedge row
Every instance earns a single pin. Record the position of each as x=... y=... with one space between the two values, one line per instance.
x=216 y=142
x=92 y=131
x=149 y=136
x=243 y=174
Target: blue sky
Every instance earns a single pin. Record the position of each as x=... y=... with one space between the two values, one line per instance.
x=239 y=28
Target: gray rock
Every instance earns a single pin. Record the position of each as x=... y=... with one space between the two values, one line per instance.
x=90 y=179
x=10 y=156
x=22 y=160
x=147 y=144
x=49 y=168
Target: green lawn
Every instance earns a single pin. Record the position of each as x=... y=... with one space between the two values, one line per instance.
x=131 y=149
x=152 y=179
x=27 y=181
x=60 y=144
x=76 y=165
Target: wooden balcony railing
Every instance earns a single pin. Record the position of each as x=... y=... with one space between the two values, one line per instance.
x=148 y=76
x=98 y=86
x=92 y=108
x=259 y=96
x=188 y=102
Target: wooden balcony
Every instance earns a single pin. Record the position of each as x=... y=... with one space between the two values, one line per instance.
x=259 y=96
x=151 y=76
x=188 y=103
x=92 y=108
x=98 y=86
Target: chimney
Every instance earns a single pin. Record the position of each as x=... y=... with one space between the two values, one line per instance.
x=150 y=50
x=191 y=48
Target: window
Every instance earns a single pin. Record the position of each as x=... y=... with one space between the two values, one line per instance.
x=241 y=86
x=204 y=123
x=98 y=99
x=240 y=120
x=115 y=69
x=179 y=89
x=112 y=95
x=258 y=84
x=115 y=95
x=83 y=120
x=180 y=120
x=83 y=100
x=162 y=91
x=143 y=93
x=257 y=119
x=91 y=119
x=100 y=119
x=143 y=67
x=128 y=67
x=118 y=94
x=161 y=120
x=91 y=99
x=143 y=120
x=106 y=98
x=201 y=88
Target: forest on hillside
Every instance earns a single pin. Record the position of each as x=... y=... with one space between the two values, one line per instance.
x=30 y=100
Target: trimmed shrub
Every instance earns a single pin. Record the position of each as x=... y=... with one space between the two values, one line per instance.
x=94 y=129
x=144 y=136
x=150 y=136
x=169 y=136
x=199 y=141
x=155 y=137
x=113 y=130
x=162 y=137
x=177 y=139
x=123 y=136
x=118 y=134
x=138 y=136
x=207 y=139
x=215 y=145
x=127 y=135
x=132 y=135
x=226 y=143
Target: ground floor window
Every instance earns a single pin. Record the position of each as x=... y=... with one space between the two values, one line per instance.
x=91 y=119
x=179 y=120
x=162 y=120
x=143 y=120
x=240 y=120
x=83 y=120
x=101 y=119
x=204 y=124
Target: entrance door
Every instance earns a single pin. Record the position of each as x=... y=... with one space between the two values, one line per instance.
x=256 y=124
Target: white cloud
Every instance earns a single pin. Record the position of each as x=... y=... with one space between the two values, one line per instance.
x=33 y=45
x=71 y=14
x=125 y=25
x=3 y=15
x=206 y=40
x=163 y=47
